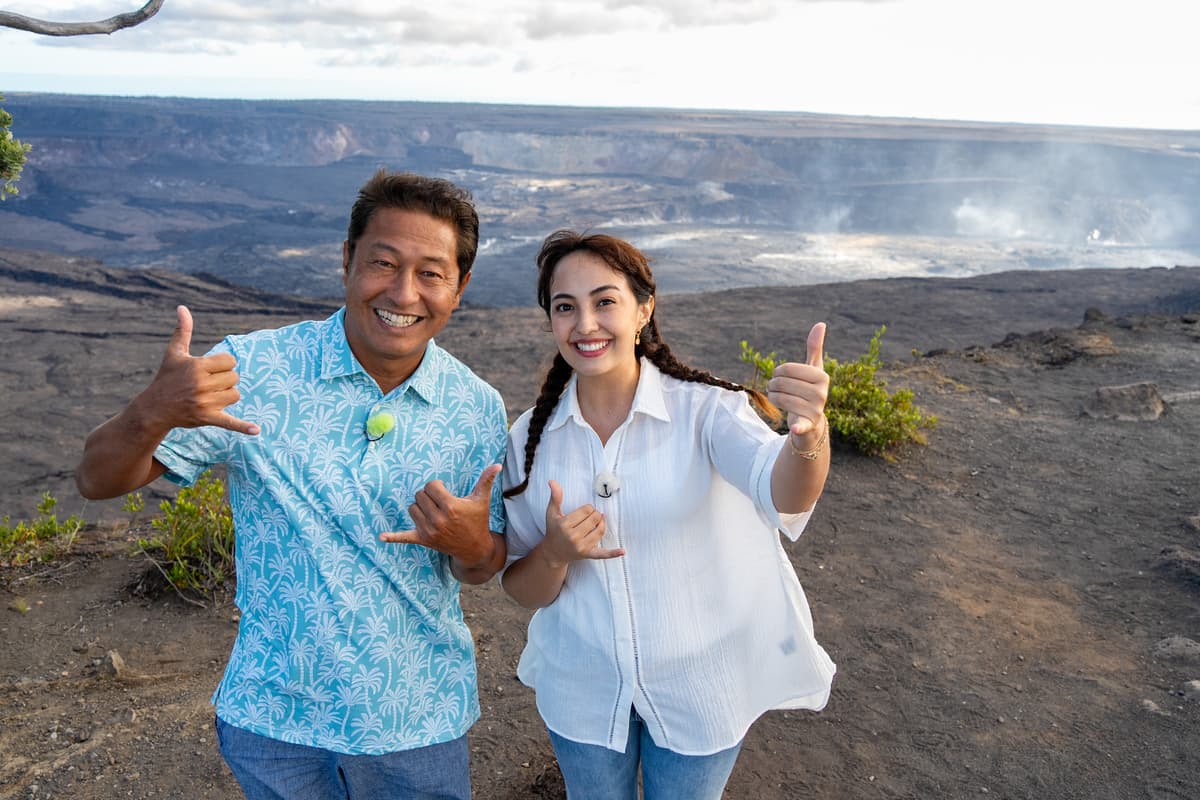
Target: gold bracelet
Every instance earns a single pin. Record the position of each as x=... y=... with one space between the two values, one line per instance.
x=810 y=455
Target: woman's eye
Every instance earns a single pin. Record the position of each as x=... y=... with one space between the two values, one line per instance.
x=562 y=308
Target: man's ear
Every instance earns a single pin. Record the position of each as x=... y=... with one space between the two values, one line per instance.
x=462 y=284
x=345 y=260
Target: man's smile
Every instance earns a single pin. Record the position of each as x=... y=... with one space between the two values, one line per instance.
x=396 y=320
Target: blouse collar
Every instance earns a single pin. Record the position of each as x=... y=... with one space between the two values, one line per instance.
x=648 y=398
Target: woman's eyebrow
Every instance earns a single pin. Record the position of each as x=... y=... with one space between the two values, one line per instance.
x=608 y=287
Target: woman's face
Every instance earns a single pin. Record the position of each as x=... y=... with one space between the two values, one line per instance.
x=595 y=316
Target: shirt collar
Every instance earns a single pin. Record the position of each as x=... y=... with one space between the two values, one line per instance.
x=338 y=361
x=648 y=399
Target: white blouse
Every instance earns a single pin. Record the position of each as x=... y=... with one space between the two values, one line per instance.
x=702 y=625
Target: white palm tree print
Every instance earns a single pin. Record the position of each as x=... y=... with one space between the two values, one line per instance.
x=344 y=641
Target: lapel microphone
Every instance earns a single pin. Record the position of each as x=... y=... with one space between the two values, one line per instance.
x=606 y=484
x=378 y=425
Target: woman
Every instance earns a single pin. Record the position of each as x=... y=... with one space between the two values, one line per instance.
x=644 y=500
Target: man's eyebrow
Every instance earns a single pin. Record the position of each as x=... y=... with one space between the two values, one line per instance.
x=608 y=287
x=436 y=259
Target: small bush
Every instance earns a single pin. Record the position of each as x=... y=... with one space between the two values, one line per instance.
x=12 y=157
x=861 y=411
x=193 y=544
x=764 y=366
x=43 y=539
x=864 y=413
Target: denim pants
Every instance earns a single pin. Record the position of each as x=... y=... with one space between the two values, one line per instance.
x=269 y=769
x=592 y=772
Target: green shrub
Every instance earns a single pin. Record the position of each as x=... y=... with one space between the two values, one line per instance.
x=193 y=543
x=43 y=539
x=12 y=156
x=864 y=413
x=764 y=366
x=134 y=504
x=861 y=411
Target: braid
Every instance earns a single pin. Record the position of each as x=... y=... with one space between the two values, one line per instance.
x=655 y=349
x=552 y=389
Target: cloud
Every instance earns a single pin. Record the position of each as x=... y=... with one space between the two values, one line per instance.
x=354 y=33
x=608 y=17
x=553 y=21
x=690 y=14
x=327 y=25
x=222 y=25
x=1126 y=64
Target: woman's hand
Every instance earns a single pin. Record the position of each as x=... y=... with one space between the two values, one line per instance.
x=803 y=463
x=574 y=536
x=801 y=391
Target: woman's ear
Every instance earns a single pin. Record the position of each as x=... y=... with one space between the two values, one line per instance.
x=647 y=311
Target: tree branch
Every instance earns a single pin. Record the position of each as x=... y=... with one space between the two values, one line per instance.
x=46 y=28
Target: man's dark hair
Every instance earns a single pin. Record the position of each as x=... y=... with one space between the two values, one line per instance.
x=436 y=197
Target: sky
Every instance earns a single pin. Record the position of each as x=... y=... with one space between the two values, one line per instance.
x=1110 y=63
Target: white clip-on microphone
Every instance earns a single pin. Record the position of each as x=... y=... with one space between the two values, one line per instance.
x=606 y=484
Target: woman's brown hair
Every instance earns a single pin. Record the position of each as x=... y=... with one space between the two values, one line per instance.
x=633 y=264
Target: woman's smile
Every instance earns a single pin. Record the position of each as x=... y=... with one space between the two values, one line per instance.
x=591 y=348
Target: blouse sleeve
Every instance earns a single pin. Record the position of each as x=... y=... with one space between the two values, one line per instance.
x=743 y=449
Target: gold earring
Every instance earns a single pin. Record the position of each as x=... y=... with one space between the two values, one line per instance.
x=637 y=338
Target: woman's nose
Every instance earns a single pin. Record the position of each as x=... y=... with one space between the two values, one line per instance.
x=587 y=321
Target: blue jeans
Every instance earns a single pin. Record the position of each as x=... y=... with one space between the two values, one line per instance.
x=592 y=772
x=269 y=769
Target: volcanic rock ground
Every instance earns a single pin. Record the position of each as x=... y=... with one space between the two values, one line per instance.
x=1013 y=607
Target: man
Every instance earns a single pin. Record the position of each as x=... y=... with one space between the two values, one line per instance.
x=353 y=672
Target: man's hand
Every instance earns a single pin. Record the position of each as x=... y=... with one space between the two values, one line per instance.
x=574 y=536
x=456 y=526
x=186 y=392
x=190 y=391
x=802 y=389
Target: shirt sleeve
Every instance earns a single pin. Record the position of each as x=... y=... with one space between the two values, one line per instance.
x=744 y=450
x=497 y=436
x=188 y=452
x=525 y=527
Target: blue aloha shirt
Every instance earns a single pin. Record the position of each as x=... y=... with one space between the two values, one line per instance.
x=345 y=642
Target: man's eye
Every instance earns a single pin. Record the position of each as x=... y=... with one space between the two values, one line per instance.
x=381 y=264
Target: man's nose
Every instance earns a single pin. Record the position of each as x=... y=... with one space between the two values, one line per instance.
x=403 y=287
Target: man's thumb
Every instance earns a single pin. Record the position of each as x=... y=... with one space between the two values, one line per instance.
x=483 y=486
x=181 y=339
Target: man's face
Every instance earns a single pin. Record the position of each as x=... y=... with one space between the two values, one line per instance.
x=402 y=283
